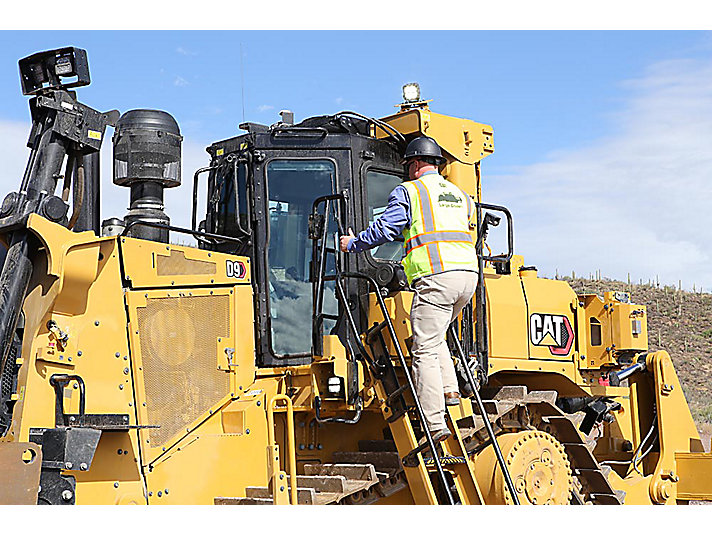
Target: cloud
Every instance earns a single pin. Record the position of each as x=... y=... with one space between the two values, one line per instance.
x=185 y=52
x=264 y=107
x=637 y=201
x=180 y=82
x=339 y=100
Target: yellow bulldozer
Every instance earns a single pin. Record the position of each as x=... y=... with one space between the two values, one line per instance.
x=261 y=365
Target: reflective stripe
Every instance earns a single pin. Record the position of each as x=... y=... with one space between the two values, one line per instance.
x=432 y=237
x=438 y=238
x=436 y=262
x=426 y=209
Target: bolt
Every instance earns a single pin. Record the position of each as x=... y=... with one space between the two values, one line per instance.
x=67 y=495
x=119 y=452
x=281 y=476
x=83 y=466
x=68 y=465
x=281 y=488
x=126 y=370
x=121 y=386
x=72 y=419
x=160 y=494
x=79 y=353
x=301 y=446
x=150 y=494
x=247 y=431
x=96 y=323
x=165 y=491
x=126 y=357
x=69 y=359
x=320 y=446
x=117 y=354
x=258 y=403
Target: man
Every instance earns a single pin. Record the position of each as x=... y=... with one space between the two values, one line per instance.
x=440 y=263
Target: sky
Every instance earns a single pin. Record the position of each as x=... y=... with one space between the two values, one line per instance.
x=601 y=138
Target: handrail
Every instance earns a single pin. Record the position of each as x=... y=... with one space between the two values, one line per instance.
x=483 y=413
x=404 y=365
x=290 y=445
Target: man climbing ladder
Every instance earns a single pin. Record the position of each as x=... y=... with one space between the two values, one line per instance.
x=440 y=262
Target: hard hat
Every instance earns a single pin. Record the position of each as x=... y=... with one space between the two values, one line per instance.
x=423 y=146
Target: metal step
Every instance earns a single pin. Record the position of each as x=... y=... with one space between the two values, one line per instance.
x=241 y=500
x=386 y=462
x=304 y=495
x=358 y=476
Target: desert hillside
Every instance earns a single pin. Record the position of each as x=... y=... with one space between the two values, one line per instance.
x=679 y=322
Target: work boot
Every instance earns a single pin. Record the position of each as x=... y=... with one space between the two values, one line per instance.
x=452 y=398
x=437 y=435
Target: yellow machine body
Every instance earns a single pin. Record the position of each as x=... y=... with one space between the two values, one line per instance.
x=164 y=335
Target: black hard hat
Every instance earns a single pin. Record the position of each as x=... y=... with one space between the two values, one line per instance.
x=424 y=146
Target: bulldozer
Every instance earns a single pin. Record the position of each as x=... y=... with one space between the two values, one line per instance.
x=259 y=364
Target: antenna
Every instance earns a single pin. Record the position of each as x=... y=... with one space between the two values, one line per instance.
x=242 y=83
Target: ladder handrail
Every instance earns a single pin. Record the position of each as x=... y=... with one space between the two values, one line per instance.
x=290 y=445
x=483 y=413
x=411 y=386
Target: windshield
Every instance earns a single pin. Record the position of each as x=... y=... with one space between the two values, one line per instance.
x=293 y=186
x=378 y=188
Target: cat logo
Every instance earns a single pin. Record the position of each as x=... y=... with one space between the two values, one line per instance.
x=235 y=269
x=553 y=331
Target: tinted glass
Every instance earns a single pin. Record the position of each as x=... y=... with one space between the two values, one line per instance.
x=225 y=184
x=378 y=188
x=293 y=186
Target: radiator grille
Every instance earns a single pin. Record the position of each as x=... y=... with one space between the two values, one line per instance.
x=178 y=264
x=178 y=337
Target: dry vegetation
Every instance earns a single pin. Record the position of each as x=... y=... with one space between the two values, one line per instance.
x=679 y=322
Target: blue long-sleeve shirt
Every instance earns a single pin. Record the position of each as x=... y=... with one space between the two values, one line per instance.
x=394 y=219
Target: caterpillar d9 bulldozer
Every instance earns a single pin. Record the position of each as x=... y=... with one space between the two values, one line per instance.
x=261 y=365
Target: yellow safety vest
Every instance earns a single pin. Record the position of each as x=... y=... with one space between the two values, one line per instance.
x=438 y=238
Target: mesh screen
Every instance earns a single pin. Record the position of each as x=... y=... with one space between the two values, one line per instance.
x=177 y=264
x=179 y=352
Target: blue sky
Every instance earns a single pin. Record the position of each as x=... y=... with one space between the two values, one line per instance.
x=574 y=114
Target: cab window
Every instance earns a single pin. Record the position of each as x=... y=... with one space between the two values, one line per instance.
x=293 y=186
x=378 y=188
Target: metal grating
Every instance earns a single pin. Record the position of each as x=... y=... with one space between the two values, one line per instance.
x=178 y=264
x=179 y=352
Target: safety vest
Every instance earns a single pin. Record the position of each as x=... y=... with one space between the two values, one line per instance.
x=438 y=239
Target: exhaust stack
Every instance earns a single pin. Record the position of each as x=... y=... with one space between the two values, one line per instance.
x=147 y=158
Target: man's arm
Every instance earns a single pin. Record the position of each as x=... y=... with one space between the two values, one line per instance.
x=386 y=228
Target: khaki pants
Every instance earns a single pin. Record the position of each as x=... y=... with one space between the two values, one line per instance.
x=438 y=300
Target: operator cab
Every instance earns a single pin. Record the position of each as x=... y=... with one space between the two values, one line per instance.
x=262 y=188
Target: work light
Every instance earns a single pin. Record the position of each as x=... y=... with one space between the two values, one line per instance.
x=411 y=92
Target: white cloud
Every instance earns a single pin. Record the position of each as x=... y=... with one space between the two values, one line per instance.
x=339 y=100
x=638 y=201
x=264 y=107
x=180 y=81
x=185 y=52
